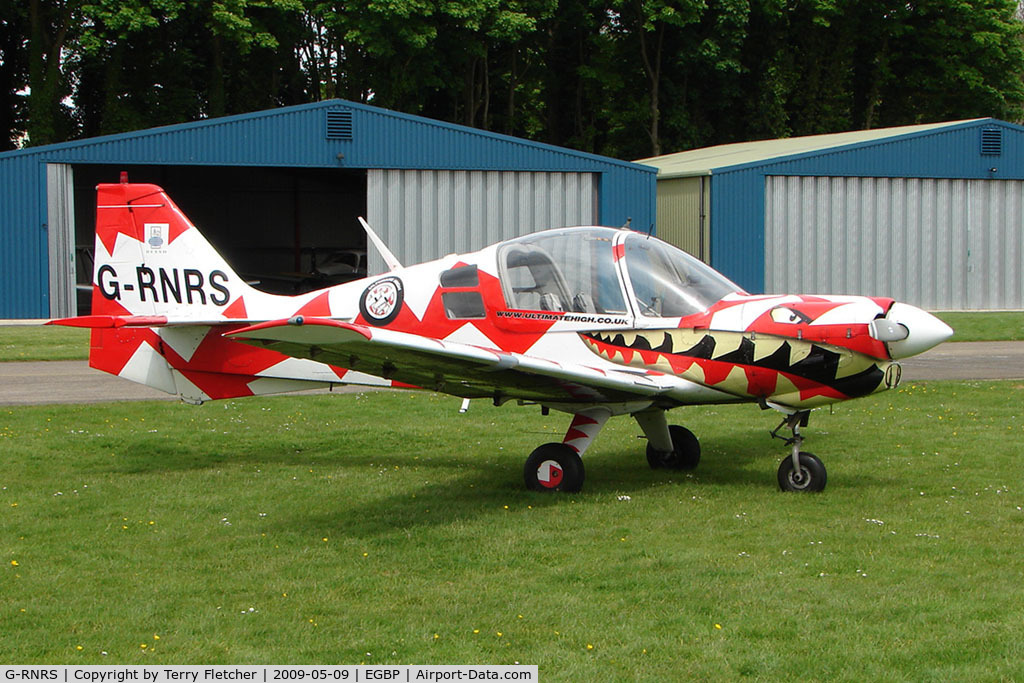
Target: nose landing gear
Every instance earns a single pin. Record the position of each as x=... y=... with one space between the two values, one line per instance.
x=800 y=470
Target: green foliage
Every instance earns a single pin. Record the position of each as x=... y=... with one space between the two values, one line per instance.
x=322 y=529
x=622 y=77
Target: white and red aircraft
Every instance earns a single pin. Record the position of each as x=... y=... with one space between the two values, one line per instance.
x=591 y=321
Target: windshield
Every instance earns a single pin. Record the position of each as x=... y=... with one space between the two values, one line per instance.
x=668 y=282
x=562 y=270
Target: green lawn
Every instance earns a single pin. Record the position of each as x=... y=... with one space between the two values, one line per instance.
x=43 y=342
x=386 y=527
x=68 y=343
x=997 y=326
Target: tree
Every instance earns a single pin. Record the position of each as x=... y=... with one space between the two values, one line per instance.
x=52 y=25
x=950 y=60
x=13 y=71
x=627 y=78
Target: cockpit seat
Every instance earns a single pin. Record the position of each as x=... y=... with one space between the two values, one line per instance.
x=582 y=303
x=549 y=302
x=532 y=280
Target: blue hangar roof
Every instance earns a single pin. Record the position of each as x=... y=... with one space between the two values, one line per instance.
x=329 y=134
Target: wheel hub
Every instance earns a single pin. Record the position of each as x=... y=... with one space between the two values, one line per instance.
x=549 y=474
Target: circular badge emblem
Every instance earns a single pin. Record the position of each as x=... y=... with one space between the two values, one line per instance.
x=382 y=301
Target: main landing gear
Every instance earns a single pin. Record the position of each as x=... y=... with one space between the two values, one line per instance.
x=668 y=446
x=800 y=470
x=559 y=467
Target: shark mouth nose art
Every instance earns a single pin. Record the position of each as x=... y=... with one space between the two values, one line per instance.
x=782 y=370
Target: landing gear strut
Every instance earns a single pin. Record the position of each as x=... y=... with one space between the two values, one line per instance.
x=558 y=466
x=800 y=470
x=668 y=446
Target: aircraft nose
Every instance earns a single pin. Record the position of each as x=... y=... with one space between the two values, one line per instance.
x=908 y=331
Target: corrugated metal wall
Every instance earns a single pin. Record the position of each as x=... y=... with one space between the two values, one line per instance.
x=738 y=193
x=933 y=242
x=424 y=215
x=683 y=205
x=60 y=209
x=24 y=277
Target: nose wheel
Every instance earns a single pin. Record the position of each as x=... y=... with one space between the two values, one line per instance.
x=800 y=470
x=809 y=475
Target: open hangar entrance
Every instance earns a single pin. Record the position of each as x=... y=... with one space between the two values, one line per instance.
x=285 y=230
x=279 y=192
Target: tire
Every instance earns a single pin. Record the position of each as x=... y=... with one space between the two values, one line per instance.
x=810 y=479
x=685 y=453
x=554 y=467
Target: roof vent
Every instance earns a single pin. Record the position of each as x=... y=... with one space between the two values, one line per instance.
x=339 y=125
x=991 y=141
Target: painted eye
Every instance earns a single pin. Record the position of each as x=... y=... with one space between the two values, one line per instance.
x=789 y=316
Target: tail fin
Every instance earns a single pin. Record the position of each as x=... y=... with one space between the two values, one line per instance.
x=162 y=297
x=151 y=261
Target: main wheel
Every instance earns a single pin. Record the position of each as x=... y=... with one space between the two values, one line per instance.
x=685 y=453
x=810 y=477
x=554 y=467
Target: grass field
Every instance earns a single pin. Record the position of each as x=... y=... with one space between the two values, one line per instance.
x=38 y=342
x=388 y=528
x=996 y=326
x=29 y=343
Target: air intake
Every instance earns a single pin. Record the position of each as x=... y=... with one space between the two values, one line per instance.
x=991 y=142
x=339 y=125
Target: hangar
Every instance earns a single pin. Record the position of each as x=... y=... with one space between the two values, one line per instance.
x=929 y=214
x=279 y=193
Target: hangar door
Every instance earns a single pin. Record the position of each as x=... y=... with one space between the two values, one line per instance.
x=426 y=214
x=682 y=212
x=942 y=244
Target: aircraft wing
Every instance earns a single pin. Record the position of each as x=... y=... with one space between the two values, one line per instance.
x=453 y=368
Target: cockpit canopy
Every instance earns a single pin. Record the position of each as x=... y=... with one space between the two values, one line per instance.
x=576 y=270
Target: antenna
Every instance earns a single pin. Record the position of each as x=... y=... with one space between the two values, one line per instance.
x=392 y=262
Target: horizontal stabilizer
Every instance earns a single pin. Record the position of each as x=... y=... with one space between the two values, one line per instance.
x=108 y=321
x=100 y=322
